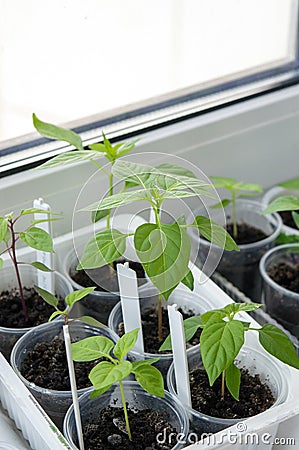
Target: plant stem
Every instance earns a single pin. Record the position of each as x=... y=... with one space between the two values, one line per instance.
x=222 y=385
x=234 y=216
x=13 y=256
x=123 y=399
x=160 y=298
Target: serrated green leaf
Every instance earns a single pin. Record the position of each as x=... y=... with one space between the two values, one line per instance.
x=105 y=373
x=40 y=266
x=150 y=378
x=92 y=348
x=214 y=233
x=38 y=239
x=56 y=314
x=277 y=343
x=75 y=296
x=51 y=131
x=104 y=248
x=164 y=252
x=47 y=296
x=220 y=342
x=233 y=380
x=91 y=321
x=290 y=184
x=3 y=228
x=295 y=216
x=285 y=203
x=125 y=344
x=98 y=215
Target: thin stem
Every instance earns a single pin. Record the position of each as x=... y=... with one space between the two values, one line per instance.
x=123 y=399
x=234 y=216
x=222 y=385
x=13 y=256
x=160 y=336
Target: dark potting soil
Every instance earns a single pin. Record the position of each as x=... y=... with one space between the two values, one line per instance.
x=107 y=431
x=286 y=275
x=104 y=277
x=149 y=321
x=46 y=366
x=247 y=234
x=287 y=219
x=255 y=396
x=11 y=312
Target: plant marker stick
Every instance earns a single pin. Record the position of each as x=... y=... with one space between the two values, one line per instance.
x=70 y=364
x=128 y=289
x=45 y=279
x=179 y=355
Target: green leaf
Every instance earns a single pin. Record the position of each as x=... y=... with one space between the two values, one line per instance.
x=69 y=158
x=225 y=202
x=150 y=378
x=233 y=185
x=188 y=280
x=55 y=314
x=237 y=307
x=125 y=147
x=136 y=364
x=233 y=380
x=173 y=169
x=277 y=343
x=191 y=326
x=214 y=233
x=125 y=344
x=100 y=214
x=1 y=263
x=38 y=239
x=27 y=211
x=75 y=296
x=51 y=131
x=50 y=219
x=287 y=239
x=92 y=348
x=98 y=392
x=117 y=200
x=105 y=373
x=290 y=184
x=295 y=218
x=91 y=321
x=214 y=315
x=40 y=266
x=285 y=203
x=47 y=296
x=3 y=228
x=164 y=252
x=104 y=248
x=220 y=342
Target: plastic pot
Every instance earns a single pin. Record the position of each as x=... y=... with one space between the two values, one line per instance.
x=29 y=276
x=274 y=193
x=275 y=375
x=281 y=303
x=241 y=268
x=54 y=402
x=137 y=399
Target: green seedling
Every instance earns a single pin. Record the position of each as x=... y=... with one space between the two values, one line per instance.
x=70 y=301
x=115 y=369
x=95 y=151
x=31 y=235
x=222 y=338
x=163 y=249
x=235 y=188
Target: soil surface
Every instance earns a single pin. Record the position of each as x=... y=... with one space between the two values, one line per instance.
x=108 y=431
x=286 y=275
x=46 y=366
x=255 y=396
x=287 y=218
x=150 y=329
x=11 y=312
x=247 y=234
x=104 y=277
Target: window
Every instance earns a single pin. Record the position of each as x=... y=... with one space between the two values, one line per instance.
x=122 y=66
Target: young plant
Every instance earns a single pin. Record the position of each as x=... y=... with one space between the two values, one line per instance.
x=31 y=235
x=235 y=189
x=115 y=369
x=163 y=249
x=95 y=151
x=222 y=338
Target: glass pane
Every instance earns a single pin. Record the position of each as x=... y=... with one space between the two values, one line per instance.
x=69 y=59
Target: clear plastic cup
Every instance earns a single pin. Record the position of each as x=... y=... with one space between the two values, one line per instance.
x=137 y=399
x=282 y=304
x=272 y=194
x=54 y=402
x=29 y=276
x=241 y=268
x=186 y=300
x=274 y=375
